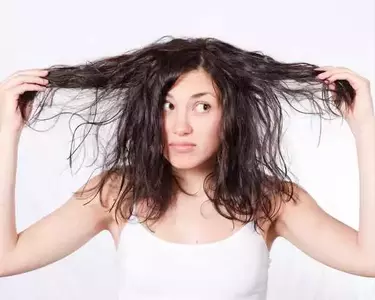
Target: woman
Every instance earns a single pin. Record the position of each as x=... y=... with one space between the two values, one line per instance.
x=193 y=169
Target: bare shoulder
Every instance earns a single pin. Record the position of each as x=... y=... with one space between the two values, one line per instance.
x=295 y=201
x=100 y=194
x=106 y=203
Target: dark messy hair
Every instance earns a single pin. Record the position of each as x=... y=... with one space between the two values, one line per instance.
x=129 y=90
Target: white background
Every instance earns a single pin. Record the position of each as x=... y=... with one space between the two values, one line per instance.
x=40 y=33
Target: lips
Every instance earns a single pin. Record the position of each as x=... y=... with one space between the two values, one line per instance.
x=181 y=144
x=182 y=147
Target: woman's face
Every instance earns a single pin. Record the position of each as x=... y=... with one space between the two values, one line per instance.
x=192 y=114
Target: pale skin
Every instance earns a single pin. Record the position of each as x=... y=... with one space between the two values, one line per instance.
x=191 y=103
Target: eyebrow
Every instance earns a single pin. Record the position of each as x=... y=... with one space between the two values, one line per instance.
x=195 y=96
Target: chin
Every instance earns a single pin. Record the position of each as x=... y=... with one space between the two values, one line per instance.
x=184 y=164
x=190 y=162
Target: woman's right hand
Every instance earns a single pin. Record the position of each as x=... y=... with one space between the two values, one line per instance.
x=10 y=90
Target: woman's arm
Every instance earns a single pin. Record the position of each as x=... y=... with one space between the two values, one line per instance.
x=64 y=230
x=320 y=235
x=55 y=236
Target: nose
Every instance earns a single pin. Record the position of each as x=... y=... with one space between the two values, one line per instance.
x=182 y=126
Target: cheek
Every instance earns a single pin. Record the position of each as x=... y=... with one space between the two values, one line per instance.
x=210 y=134
x=165 y=129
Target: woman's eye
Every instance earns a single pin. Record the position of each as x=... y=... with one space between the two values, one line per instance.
x=168 y=106
x=203 y=107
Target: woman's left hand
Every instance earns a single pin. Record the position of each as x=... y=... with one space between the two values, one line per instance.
x=362 y=109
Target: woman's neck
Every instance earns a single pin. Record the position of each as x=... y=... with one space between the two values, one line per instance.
x=192 y=180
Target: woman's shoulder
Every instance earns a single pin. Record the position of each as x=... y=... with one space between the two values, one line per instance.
x=288 y=202
x=111 y=186
x=280 y=195
x=101 y=193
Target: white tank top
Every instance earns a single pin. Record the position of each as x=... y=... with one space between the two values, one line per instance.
x=150 y=268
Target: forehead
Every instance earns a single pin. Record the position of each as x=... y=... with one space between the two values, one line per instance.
x=193 y=82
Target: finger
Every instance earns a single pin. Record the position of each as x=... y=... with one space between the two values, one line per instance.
x=354 y=81
x=332 y=70
x=33 y=72
x=20 y=89
x=326 y=72
x=324 y=68
x=329 y=73
x=20 y=79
